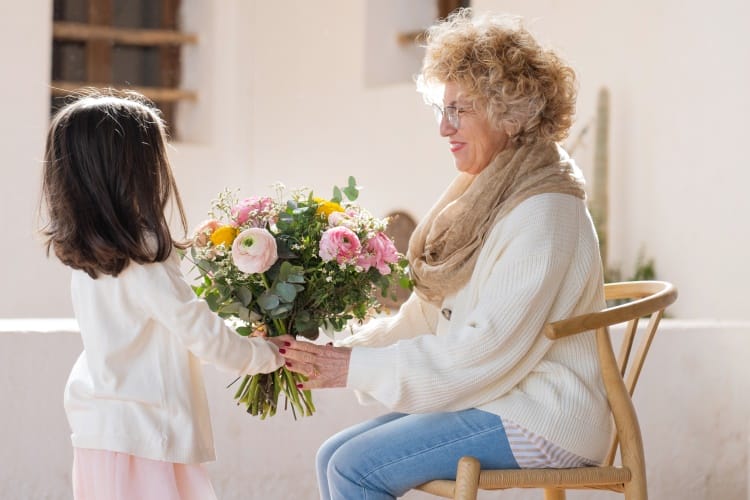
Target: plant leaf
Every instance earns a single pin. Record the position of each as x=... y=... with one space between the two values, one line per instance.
x=268 y=301
x=285 y=291
x=244 y=330
x=245 y=295
x=336 y=195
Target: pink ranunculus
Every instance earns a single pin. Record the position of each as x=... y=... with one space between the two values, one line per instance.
x=336 y=218
x=252 y=210
x=254 y=250
x=379 y=251
x=202 y=233
x=341 y=219
x=339 y=243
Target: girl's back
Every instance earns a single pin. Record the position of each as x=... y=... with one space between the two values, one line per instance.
x=135 y=398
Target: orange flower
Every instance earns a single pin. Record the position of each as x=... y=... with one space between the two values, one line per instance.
x=224 y=235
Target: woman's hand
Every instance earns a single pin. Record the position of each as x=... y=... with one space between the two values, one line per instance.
x=324 y=365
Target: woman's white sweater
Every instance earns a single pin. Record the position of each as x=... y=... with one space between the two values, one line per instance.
x=484 y=347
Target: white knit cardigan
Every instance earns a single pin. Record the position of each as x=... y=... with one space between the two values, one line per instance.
x=137 y=388
x=484 y=347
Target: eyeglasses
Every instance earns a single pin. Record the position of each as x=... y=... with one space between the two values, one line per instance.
x=453 y=113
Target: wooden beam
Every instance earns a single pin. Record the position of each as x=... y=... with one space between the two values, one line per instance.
x=99 y=52
x=156 y=94
x=411 y=38
x=445 y=7
x=169 y=63
x=124 y=36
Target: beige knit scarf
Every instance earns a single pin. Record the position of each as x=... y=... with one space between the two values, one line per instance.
x=445 y=245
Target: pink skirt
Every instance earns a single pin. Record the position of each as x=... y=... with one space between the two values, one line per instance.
x=102 y=474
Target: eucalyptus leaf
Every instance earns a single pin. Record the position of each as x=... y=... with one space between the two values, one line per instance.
x=284 y=271
x=285 y=291
x=337 y=197
x=280 y=311
x=244 y=314
x=268 y=301
x=232 y=308
x=245 y=295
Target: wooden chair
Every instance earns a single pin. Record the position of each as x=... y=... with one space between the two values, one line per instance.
x=646 y=299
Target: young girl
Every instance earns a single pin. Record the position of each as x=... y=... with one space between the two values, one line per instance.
x=135 y=398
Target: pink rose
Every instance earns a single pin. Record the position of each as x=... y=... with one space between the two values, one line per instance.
x=339 y=243
x=254 y=210
x=202 y=233
x=379 y=251
x=254 y=250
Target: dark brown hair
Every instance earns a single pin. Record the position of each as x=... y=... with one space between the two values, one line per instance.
x=106 y=184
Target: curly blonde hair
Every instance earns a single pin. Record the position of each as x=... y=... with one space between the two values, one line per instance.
x=526 y=89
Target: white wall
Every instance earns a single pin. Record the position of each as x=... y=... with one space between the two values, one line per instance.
x=691 y=401
x=679 y=73
x=284 y=96
x=33 y=286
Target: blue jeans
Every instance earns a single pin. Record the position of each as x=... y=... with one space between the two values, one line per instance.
x=385 y=457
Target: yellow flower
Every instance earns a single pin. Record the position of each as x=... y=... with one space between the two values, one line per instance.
x=225 y=235
x=326 y=207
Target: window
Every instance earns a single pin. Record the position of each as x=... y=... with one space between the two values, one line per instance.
x=124 y=44
x=444 y=9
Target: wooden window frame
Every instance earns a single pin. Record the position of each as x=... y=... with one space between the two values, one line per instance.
x=444 y=8
x=100 y=36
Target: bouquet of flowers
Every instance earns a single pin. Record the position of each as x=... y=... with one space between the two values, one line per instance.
x=293 y=266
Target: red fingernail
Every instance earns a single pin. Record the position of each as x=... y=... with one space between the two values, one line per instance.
x=282 y=351
x=299 y=386
x=288 y=364
x=287 y=344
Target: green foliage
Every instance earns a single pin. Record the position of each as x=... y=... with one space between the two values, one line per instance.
x=644 y=270
x=301 y=292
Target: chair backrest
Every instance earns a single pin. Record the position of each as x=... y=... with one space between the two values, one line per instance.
x=645 y=300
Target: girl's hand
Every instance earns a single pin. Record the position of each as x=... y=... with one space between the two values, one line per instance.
x=324 y=365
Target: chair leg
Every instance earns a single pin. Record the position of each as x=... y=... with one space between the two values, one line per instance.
x=467 y=479
x=635 y=489
x=554 y=494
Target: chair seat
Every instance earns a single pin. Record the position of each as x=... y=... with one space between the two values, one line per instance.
x=609 y=478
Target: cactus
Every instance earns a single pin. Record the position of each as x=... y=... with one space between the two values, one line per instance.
x=600 y=194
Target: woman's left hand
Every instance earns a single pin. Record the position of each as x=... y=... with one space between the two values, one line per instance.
x=324 y=365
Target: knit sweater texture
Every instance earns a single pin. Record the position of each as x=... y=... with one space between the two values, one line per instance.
x=485 y=347
x=137 y=388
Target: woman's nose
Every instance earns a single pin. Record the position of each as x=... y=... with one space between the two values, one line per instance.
x=446 y=129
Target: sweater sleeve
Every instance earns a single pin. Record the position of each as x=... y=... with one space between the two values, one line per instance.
x=500 y=340
x=415 y=317
x=169 y=299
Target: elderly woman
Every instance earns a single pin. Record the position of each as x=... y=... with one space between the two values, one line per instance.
x=508 y=247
